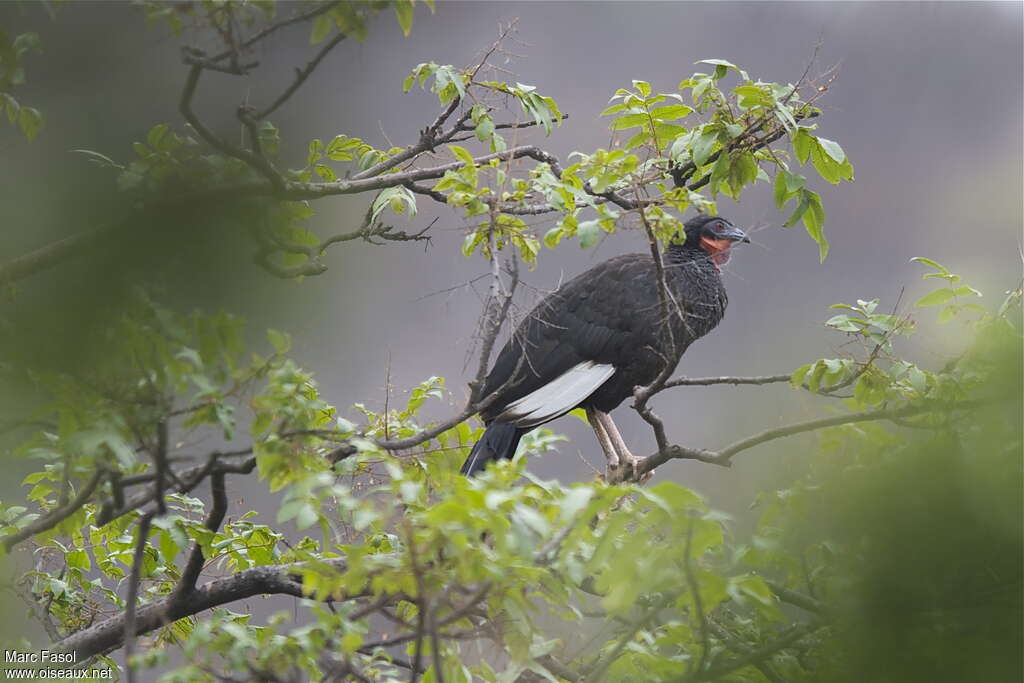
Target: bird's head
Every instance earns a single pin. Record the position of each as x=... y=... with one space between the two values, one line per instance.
x=713 y=234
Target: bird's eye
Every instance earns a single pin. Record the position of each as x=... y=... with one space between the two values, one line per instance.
x=719 y=226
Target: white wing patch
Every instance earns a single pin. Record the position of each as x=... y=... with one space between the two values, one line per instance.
x=558 y=396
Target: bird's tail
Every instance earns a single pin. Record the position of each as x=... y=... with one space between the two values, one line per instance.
x=499 y=441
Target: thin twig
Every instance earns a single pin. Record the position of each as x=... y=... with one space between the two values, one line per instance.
x=305 y=16
x=257 y=162
x=707 y=381
x=300 y=76
x=724 y=456
x=797 y=599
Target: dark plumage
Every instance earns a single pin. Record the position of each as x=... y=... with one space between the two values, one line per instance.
x=602 y=334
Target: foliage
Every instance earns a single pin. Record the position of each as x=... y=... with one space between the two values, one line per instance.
x=895 y=556
x=527 y=565
x=12 y=74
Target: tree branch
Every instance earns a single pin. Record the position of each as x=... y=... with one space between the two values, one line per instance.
x=298 y=18
x=188 y=478
x=430 y=137
x=754 y=656
x=707 y=381
x=797 y=599
x=194 y=566
x=56 y=516
x=108 y=635
x=256 y=161
x=724 y=456
x=131 y=602
x=301 y=75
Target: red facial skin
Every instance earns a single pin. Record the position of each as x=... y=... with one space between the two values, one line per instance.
x=719 y=250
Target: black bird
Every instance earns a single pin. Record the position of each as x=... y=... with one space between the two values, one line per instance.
x=590 y=343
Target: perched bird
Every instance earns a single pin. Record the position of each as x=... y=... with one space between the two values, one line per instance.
x=607 y=331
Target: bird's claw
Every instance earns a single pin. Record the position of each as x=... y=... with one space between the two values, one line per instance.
x=629 y=471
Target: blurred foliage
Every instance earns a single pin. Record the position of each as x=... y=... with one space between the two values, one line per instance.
x=12 y=74
x=904 y=544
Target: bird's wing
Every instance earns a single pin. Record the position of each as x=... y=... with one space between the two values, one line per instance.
x=591 y=318
x=558 y=396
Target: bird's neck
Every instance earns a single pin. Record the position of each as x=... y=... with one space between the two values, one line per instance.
x=683 y=253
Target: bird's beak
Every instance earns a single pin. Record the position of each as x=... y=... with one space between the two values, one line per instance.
x=734 y=234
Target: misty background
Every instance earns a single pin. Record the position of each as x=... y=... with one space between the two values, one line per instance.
x=927 y=105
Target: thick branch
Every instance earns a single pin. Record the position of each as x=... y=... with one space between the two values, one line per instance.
x=52 y=254
x=219 y=507
x=109 y=634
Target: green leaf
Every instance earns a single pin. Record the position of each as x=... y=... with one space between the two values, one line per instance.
x=779 y=191
x=322 y=25
x=833 y=149
x=281 y=341
x=553 y=236
x=462 y=155
x=31 y=122
x=671 y=112
x=588 y=233
x=629 y=121
x=802 y=144
x=326 y=173
x=704 y=145
x=797 y=378
x=315 y=151
x=793 y=181
x=939 y=296
x=351 y=641
x=701 y=86
x=827 y=168
x=398 y=198
x=78 y=559
x=814 y=223
x=928 y=262
x=156 y=134
x=965 y=290
x=404 y=10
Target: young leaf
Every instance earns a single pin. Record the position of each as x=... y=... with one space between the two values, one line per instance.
x=403 y=10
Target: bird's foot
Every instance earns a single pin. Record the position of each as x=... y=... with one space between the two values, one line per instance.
x=626 y=470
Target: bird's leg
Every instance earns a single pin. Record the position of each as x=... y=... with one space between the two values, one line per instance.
x=593 y=417
x=625 y=458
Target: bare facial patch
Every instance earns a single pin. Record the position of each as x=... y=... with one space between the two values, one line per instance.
x=719 y=249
